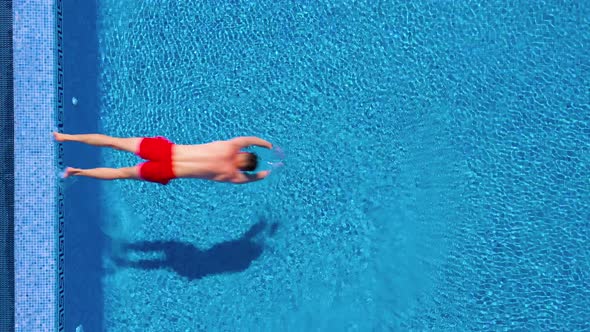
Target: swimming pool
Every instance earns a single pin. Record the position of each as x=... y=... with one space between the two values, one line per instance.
x=437 y=167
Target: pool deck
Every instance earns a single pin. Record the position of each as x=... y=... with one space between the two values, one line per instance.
x=38 y=194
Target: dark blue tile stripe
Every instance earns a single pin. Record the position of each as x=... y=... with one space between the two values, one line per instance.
x=60 y=153
x=6 y=170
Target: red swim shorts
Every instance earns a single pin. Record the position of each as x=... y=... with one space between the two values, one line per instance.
x=158 y=150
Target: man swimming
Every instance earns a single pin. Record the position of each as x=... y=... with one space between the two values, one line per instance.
x=221 y=161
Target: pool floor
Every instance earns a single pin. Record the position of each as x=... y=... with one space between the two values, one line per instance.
x=436 y=174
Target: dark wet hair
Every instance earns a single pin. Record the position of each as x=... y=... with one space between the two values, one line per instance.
x=251 y=162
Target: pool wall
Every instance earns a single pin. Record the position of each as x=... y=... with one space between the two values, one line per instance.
x=83 y=197
x=38 y=193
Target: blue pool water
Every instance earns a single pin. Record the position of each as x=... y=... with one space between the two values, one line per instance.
x=437 y=170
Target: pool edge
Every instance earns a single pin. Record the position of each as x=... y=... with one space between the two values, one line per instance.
x=59 y=75
x=38 y=192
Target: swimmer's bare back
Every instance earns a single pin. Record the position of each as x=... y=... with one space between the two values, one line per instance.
x=220 y=161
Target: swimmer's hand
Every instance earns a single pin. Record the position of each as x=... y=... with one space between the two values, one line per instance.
x=241 y=178
x=278 y=152
x=275 y=166
x=246 y=141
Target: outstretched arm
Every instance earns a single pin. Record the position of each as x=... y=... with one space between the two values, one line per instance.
x=246 y=141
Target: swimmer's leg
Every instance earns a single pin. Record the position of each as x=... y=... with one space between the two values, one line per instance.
x=124 y=144
x=105 y=173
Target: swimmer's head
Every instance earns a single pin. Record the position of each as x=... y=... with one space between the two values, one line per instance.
x=247 y=161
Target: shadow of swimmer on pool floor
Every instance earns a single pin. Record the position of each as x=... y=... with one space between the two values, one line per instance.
x=193 y=263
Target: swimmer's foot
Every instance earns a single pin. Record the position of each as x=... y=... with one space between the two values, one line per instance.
x=71 y=171
x=59 y=137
